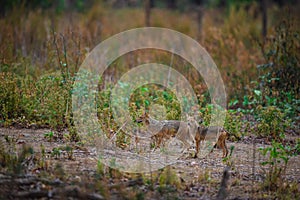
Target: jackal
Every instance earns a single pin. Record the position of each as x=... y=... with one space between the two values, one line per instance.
x=166 y=129
x=221 y=141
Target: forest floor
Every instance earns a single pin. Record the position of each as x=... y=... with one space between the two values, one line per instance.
x=77 y=175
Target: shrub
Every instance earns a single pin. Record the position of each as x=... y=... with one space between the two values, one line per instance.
x=9 y=97
x=271 y=122
x=49 y=100
x=235 y=125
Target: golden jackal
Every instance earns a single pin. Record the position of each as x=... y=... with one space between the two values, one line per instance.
x=221 y=142
x=183 y=131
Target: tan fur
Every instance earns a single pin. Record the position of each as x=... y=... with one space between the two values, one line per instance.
x=221 y=142
x=164 y=134
x=183 y=131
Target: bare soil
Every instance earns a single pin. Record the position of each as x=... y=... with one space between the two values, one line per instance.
x=78 y=177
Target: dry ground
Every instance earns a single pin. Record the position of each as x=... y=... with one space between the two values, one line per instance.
x=79 y=178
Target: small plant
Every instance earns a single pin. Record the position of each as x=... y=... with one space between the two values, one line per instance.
x=12 y=160
x=49 y=136
x=69 y=151
x=278 y=156
x=59 y=171
x=56 y=152
x=204 y=176
x=42 y=161
x=169 y=177
x=100 y=168
x=113 y=171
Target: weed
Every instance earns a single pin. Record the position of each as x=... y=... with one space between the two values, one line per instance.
x=56 y=152
x=12 y=160
x=69 y=151
x=42 y=161
x=100 y=168
x=102 y=187
x=59 y=171
x=204 y=176
x=49 y=136
x=278 y=156
x=169 y=177
x=140 y=196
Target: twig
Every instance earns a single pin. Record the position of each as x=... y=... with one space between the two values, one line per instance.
x=65 y=56
x=130 y=183
x=78 y=53
x=118 y=131
x=57 y=50
x=32 y=194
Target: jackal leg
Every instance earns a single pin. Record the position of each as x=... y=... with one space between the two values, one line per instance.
x=197 y=146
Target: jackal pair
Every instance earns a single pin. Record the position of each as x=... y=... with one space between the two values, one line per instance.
x=187 y=132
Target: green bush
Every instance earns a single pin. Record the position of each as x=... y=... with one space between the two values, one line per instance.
x=9 y=97
x=271 y=122
x=235 y=124
x=49 y=100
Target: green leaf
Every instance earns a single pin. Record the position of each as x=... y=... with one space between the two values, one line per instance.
x=274 y=153
x=257 y=92
x=233 y=102
x=146 y=102
x=281 y=146
x=264 y=163
x=167 y=96
x=144 y=89
x=284 y=158
x=246 y=100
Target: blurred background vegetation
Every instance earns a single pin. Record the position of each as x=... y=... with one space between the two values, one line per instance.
x=255 y=45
